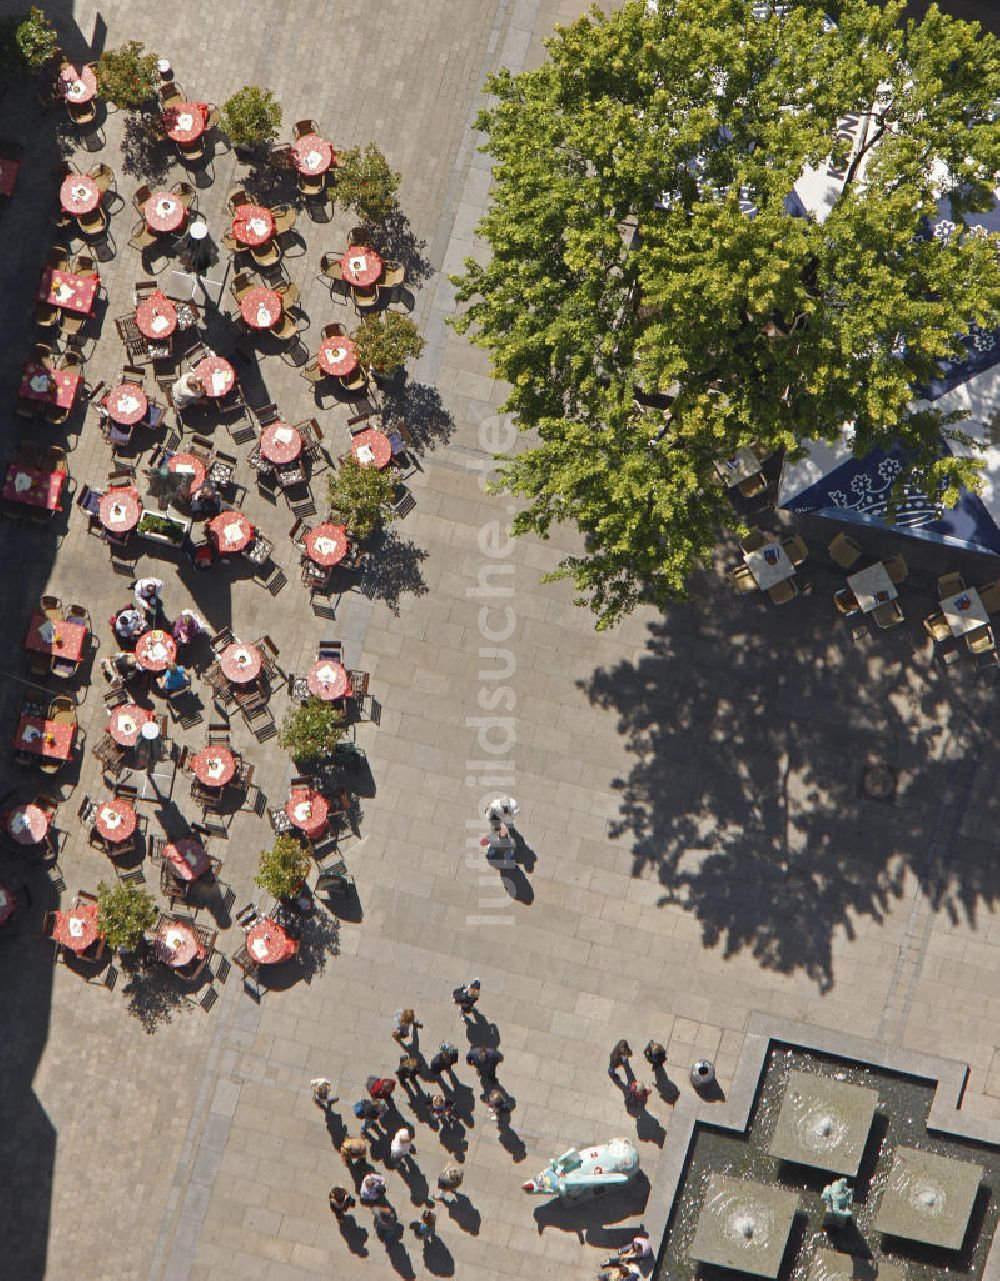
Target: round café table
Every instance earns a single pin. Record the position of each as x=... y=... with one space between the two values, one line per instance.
x=126 y=404
x=27 y=824
x=241 y=664
x=214 y=766
x=115 y=820
x=79 y=194
x=280 y=444
x=361 y=266
x=156 y=316
x=261 y=307
x=308 y=811
x=120 y=509
x=312 y=154
x=126 y=722
x=328 y=680
x=77 y=928
x=216 y=375
x=253 y=225
x=184 y=121
x=164 y=212
x=189 y=465
x=268 y=943
x=176 y=944
x=326 y=544
x=232 y=531
x=188 y=857
x=155 y=650
x=78 y=84
x=337 y=356
x=372 y=448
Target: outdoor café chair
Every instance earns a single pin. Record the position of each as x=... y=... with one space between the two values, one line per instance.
x=781 y=593
x=897 y=568
x=743 y=580
x=754 y=540
x=936 y=626
x=846 y=603
x=981 y=640
x=950 y=585
x=844 y=551
x=888 y=615
x=989 y=594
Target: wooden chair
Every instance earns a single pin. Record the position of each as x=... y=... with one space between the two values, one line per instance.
x=142 y=238
x=330 y=267
x=888 y=615
x=796 y=549
x=285 y=219
x=950 y=585
x=237 y=197
x=394 y=275
x=980 y=641
x=844 y=551
x=781 y=593
x=141 y=195
x=185 y=193
x=936 y=627
x=846 y=603
x=94 y=223
x=365 y=299
x=989 y=594
x=755 y=539
x=753 y=485
x=104 y=176
x=897 y=568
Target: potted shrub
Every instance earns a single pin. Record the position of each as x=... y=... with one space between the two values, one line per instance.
x=128 y=77
x=360 y=497
x=251 y=118
x=124 y=914
x=311 y=731
x=283 y=868
x=366 y=183
x=158 y=527
x=36 y=39
x=385 y=340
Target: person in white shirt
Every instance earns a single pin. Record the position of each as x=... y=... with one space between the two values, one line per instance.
x=402 y=1144
x=187 y=390
x=147 y=595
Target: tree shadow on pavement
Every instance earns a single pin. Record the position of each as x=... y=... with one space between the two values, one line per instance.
x=393 y=569
x=418 y=407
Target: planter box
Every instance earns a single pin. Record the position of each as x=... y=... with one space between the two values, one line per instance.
x=169 y=529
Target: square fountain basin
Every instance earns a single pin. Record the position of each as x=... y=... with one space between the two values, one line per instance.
x=732 y=1205
x=812 y=1102
x=829 y=1265
x=928 y=1198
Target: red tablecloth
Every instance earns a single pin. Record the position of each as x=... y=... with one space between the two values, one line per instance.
x=188 y=858
x=215 y=766
x=116 y=820
x=372 y=448
x=280 y=444
x=312 y=154
x=308 y=811
x=216 y=375
x=38 y=489
x=326 y=544
x=328 y=680
x=8 y=175
x=120 y=509
x=156 y=316
x=52 y=739
x=62 y=394
x=176 y=944
x=261 y=307
x=241 y=664
x=126 y=404
x=361 y=266
x=189 y=464
x=268 y=944
x=337 y=356
x=126 y=723
x=155 y=650
x=66 y=290
x=56 y=637
x=185 y=121
x=27 y=824
x=231 y=531
x=79 y=194
x=77 y=84
x=76 y=929
x=253 y=224
x=164 y=211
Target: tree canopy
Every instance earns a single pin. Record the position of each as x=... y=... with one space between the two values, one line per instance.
x=649 y=324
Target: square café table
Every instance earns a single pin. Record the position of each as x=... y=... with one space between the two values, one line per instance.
x=769 y=565
x=965 y=612
x=872 y=587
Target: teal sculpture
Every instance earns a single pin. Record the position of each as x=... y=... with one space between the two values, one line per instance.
x=591 y=1169
x=837 y=1197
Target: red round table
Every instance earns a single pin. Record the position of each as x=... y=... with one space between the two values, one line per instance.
x=280 y=444
x=164 y=211
x=120 y=509
x=126 y=404
x=361 y=266
x=176 y=944
x=268 y=943
x=372 y=448
x=214 y=766
x=261 y=307
x=188 y=858
x=126 y=723
x=216 y=375
x=312 y=154
x=328 y=680
x=77 y=929
x=308 y=811
x=156 y=316
x=232 y=531
x=189 y=465
x=184 y=121
x=79 y=194
x=241 y=664
x=77 y=84
x=27 y=824
x=253 y=224
x=337 y=356
x=155 y=650
x=326 y=544
x=115 y=820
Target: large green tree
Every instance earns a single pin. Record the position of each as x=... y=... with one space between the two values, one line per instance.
x=648 y=324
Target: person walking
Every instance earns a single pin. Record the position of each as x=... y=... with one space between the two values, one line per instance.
x=442 y=1110
x=323 y=1095
x=352 y=1150
x=369 y=1112
x=147 y=595
x=484 y=1058
x=372 y=1188
x=408 y=1073
x=401 y=1147
x=465 y=998
x=380 y=1087
x=655 y=1055
x=449 y=1180
x=425 y=1227
x=444 y=1060
x=500 y=1105
x=637 y=1095
x=386 y=1223
x=404 y=1025
x=619 y=1057
x=340 y=1201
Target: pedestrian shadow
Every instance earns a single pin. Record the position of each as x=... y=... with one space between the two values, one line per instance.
x=463 y=1102
x=396 y=1253
x=336 y=1127
x=415 y=1180
x=523 y=853
x=665 y=1088
x=481 y=1032
x=648 y=1129
x=464 y=1214
x=354 y=1235
x=453 y=1140
x=438 y=1258
x=511 y=1142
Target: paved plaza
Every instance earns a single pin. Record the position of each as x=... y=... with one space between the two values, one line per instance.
x=697 y=845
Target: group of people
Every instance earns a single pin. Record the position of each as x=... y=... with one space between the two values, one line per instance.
x=636 y=1093
x=134 y=620
x=629 y=1260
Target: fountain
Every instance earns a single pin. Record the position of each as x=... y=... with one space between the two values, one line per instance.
x=744 y=1225
x=824 y=1123
x=829 y=1265
x=928 y=1198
